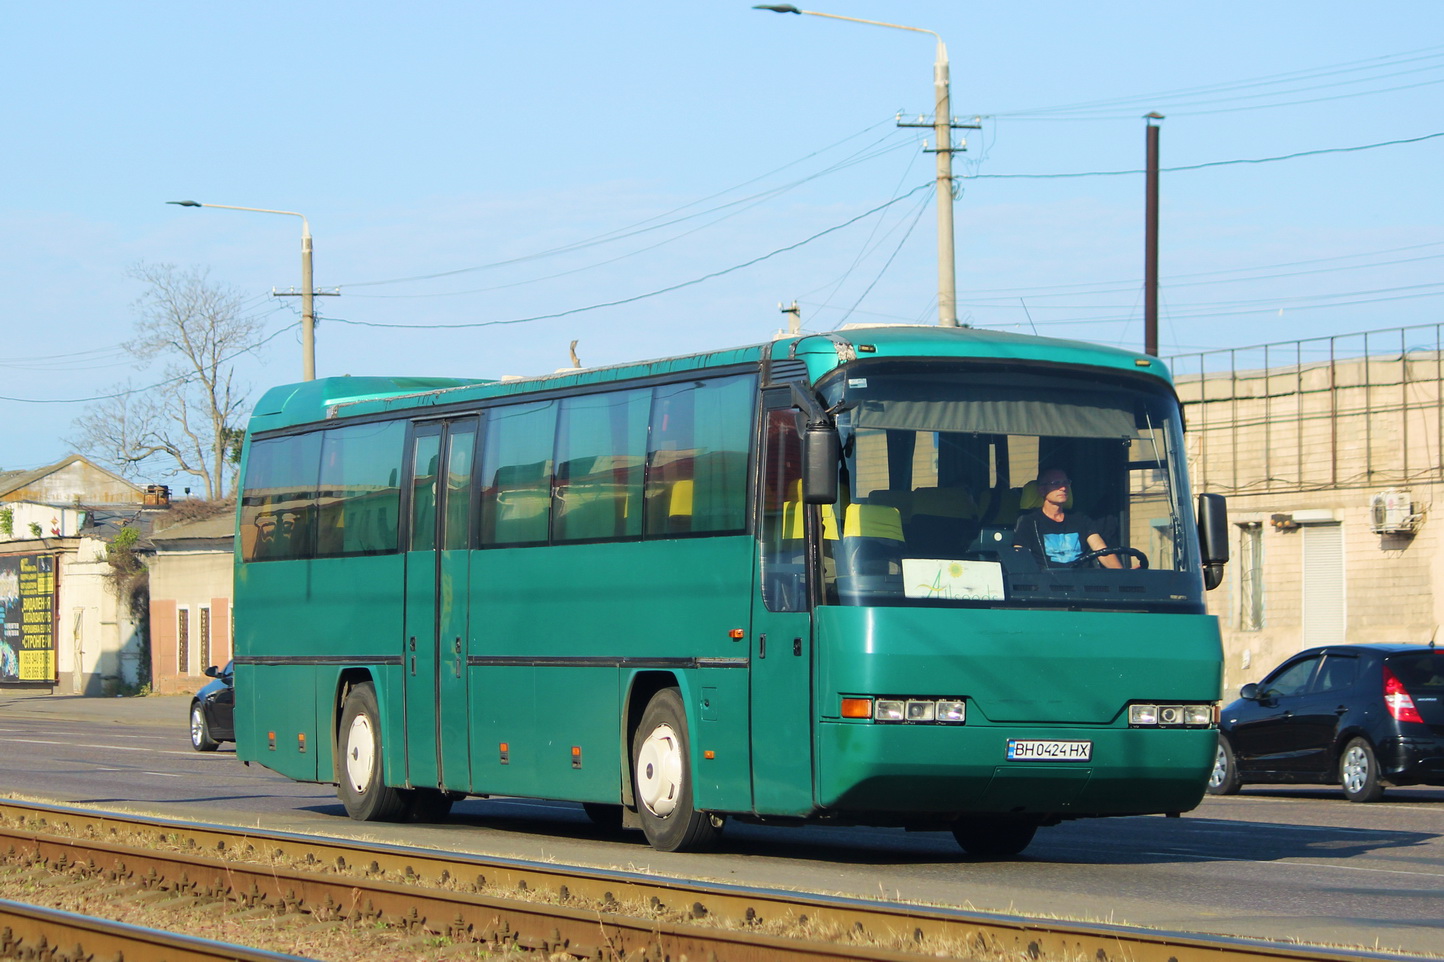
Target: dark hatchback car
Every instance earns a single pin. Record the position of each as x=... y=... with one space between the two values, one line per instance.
x=213 y=711
x=1358 y=716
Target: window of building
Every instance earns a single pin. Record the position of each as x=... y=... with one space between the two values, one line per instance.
x=206 y=638
x=183 y=641
x=1250 y=573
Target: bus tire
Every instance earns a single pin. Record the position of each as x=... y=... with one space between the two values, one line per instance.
x=1224 y=779
x=360 y=775
x=993 y=836
x=662 y=779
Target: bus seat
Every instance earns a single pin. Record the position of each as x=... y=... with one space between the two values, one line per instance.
x=902 y=500
x=871 y=521
x=944 y=521
x=679 y=506
x=591 y=512
x=792 y=514
x=872 y=539
x=944 y=503
x=1009 y=506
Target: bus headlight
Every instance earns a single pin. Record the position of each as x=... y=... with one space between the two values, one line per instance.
x=1171 y=716
x=950 y=710
x=916 y=711
x=890 y=710
x=921 y=711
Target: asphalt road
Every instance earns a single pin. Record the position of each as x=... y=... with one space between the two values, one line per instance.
x=1294 y=863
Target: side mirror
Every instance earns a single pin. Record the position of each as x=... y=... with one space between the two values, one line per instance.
x=821 y=451
x=1213 y=537
x=1249 y=692
x=212 y=672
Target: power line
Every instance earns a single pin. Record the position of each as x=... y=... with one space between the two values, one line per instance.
x=870 y=152
x=150 y=387
x=1167 y=97
x=665 y=290
x=1213 y=163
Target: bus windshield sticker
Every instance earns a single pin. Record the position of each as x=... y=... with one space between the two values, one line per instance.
x=952 y=580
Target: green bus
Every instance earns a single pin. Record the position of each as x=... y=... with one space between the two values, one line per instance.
x=781 y=583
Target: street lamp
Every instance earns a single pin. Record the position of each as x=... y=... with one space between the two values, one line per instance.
x=308 y=309
x=943 y=132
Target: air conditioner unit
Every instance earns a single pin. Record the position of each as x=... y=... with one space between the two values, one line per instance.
x=1391 y=512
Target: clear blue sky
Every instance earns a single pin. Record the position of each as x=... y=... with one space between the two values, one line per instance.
x=548 y=158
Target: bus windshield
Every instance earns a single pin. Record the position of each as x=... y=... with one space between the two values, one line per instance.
x=940 y=502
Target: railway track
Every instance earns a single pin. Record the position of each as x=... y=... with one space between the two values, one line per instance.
x=563 y=910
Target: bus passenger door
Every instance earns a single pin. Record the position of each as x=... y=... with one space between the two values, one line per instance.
x=781 y=654
x=437 y=574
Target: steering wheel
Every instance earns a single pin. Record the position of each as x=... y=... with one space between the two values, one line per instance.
x=1094 y=555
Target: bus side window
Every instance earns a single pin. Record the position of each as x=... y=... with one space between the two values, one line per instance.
x=784 y=563
x=697 y=456
x=279 y=501
x=517 y=458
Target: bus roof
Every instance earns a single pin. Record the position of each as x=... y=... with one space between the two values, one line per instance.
x=319 y=400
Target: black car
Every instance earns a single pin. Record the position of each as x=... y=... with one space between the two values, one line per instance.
x=1358 y=716
x=213 y=711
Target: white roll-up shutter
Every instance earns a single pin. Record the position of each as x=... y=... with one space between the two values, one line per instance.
x=1325 y=613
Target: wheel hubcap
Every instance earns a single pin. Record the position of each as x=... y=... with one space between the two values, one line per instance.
x=360 y=754
x=1220 y=768
x=659 y=764
x=1356 y=770
x=198 y=726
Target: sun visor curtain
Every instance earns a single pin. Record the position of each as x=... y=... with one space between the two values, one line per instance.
x=1000 y=410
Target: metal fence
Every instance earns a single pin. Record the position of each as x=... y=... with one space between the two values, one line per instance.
x=1351 y=410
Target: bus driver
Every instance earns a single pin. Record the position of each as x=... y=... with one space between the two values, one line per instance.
x=1056 y=535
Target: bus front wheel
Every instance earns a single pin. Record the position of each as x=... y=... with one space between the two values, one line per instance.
x=662 y=777
x=360 y=775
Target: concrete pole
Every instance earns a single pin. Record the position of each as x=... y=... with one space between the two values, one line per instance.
x=943 y=131
x=308 y=289
x=308 y=308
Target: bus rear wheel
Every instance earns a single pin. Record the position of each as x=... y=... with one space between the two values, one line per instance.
x=360 y=775
x=987 y=836
x=662 y=779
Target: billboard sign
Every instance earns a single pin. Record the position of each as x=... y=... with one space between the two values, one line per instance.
x=27 y=632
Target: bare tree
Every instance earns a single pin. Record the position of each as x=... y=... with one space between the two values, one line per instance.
x=190 y=420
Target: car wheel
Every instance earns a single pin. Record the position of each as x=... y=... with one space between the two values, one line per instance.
x=662 y=778
x=991 y=836
x=1359 y=772
x=1224 y=779
x=360 y=774
x=201 y=739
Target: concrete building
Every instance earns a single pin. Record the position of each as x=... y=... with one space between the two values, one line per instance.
x=1329 y=451
x=190 y=601
x=72 y=480
x=63 y=624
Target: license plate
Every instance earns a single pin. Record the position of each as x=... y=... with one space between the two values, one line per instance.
x=1033 y=750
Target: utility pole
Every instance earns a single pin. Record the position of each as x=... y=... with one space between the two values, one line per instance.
x=794 y=318
x=943 y=127
x=1150 y=239
x=308 y=290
